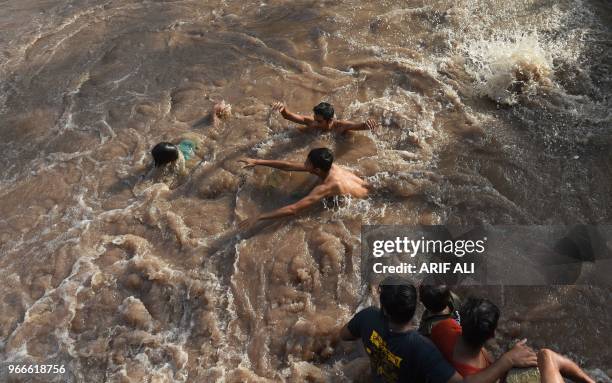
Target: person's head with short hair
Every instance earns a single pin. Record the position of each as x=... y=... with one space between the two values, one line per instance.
x=435 y=298
x=398 y=299
x=320 y=159
x=164 y=152
x=323 y=113
x=478 y=321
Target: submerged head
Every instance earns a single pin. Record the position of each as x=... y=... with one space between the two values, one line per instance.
x=320 y=159
x=398 y=299
x=478 y=321
x=164 y=152
x=435 y=298
x=323 y=114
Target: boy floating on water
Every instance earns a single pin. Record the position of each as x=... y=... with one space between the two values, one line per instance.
x=323 y=119
x=170 y=159
x=335 y=181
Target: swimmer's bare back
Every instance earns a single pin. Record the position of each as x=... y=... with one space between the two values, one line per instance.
x=336 y=182
x=343 y=182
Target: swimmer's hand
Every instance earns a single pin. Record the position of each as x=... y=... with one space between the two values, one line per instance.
x=248 y=223
x=278 y=107
x=222 y=110
x=249 y=162
x=521 y=355
x=372 y=125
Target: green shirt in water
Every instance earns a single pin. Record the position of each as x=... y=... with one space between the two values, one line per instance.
x=187 y=147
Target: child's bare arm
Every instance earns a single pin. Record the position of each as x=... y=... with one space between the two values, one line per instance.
x=287 y=115
x=317 y=194
x=282 y=165
x=344 y=126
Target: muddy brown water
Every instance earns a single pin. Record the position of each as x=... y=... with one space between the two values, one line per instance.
x=124 y=280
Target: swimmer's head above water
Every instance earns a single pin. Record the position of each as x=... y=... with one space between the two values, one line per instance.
x=164 y=153
x=323 y=114
x=319 y=160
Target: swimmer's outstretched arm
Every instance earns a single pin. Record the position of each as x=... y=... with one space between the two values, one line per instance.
x=343 y=126
x=287 y=115
x=282 y=165
x=315 y=195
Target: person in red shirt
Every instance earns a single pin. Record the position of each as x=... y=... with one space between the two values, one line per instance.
x=440 y=304
x=463 y=345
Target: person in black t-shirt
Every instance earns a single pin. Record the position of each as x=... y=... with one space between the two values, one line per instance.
x=398 y=353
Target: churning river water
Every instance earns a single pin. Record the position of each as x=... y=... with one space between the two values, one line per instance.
x=122 y=280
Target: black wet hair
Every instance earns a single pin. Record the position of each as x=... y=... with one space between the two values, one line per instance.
x=164 y=152
x=435 y=298
x=324 y=110
x=321 y=158
x=398 y=299
x=478 y=321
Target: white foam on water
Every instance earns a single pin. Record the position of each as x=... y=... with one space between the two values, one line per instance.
x=498 y=65
x=351 y=208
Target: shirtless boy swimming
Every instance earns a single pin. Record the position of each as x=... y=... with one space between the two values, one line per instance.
x=323 y=119
x=335 y=181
